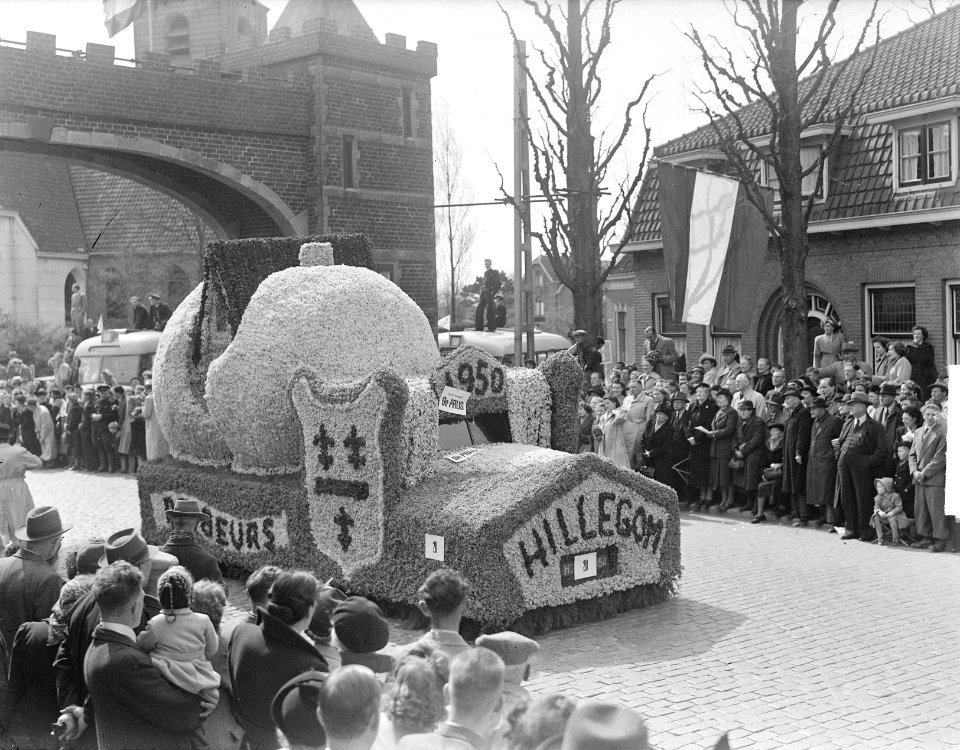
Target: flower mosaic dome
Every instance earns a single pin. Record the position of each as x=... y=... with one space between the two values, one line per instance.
x=342 y=321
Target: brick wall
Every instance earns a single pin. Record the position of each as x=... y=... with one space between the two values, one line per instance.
x=838 y=267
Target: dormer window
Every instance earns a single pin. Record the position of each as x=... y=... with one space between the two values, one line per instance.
x=925 y=156
x=808 y=157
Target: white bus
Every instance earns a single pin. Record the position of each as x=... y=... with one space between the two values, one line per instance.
x=126 y=354
x=499 y=343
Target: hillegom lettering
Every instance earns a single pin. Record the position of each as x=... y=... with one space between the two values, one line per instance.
x=613 y=517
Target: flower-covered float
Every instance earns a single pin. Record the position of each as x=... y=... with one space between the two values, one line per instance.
x=300 y=392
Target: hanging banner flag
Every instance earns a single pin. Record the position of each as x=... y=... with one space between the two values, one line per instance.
x=118 y=14
x=714 y=240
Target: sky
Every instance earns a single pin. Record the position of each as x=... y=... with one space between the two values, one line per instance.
x=475 y=71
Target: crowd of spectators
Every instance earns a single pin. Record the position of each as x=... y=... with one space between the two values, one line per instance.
x=111 y=427
x=858 y=445
x=132 y=652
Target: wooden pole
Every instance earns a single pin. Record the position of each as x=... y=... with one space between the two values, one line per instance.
x=521 y=193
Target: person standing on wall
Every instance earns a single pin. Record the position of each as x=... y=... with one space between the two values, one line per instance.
x=159 y=313
x=78 y=309
x=141 y=318
x=491 y=285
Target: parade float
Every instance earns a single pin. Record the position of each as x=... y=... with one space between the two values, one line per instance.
x=303 y=394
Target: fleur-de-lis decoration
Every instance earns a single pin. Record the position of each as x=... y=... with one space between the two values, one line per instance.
x=354 y=443
x=324 y=443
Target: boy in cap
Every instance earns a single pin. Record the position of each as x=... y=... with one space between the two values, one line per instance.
x=159 y=313
x=443 y=597
x=499 y=311
x=516 y=651
x=362 y=632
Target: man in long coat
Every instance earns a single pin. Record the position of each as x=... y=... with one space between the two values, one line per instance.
x=821 y=461
x=796 y=446
x=636 y=411
x=928 y=466
x=860 y=450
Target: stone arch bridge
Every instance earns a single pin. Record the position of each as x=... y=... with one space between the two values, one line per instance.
x=236 y=151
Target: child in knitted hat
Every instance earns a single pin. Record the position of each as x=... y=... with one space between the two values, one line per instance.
x=181 y=642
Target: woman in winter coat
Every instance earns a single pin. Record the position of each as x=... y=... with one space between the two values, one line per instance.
x=701 y=416
x=721 y=433
x=658 y=450
x=749 y=449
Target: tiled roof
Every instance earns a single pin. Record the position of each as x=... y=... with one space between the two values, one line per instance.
x=39 y=190
x=122 y=216
x=917 y=65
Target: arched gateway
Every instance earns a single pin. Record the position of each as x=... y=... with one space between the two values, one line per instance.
x=770 y=332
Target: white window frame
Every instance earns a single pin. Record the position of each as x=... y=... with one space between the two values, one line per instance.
x=868 y=332
x=951 y=288
x=680 y=339
x=933 y=118
x=766 y=169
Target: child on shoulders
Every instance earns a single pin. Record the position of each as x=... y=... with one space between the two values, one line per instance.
x=182 y=642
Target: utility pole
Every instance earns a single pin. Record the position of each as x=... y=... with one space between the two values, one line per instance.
x=522 y=254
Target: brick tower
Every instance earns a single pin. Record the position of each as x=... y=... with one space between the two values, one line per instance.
x=188 y=30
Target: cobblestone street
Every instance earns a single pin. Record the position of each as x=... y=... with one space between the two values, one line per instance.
x=784 y=637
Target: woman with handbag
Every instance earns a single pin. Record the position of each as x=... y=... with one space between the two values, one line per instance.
x=701 y=415
x=721 y=434
x=749 y=452
x=772 y=475
x=659 y=448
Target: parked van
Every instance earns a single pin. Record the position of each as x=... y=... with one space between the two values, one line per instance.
x=499 y=343
x=126 y=354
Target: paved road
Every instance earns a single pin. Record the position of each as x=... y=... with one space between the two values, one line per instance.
x=783 y=637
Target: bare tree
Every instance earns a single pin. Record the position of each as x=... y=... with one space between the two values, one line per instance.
x=571 y=167
x=759 y=110
x=455 y=231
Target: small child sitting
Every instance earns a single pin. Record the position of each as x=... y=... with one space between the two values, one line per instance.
x=182 y=642
x=888 y=511
x=902 y=479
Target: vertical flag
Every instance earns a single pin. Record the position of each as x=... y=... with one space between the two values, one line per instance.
x=118 y=14
x=100 y=324
x=714 y=241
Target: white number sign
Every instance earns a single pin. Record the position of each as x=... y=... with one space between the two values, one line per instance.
x=585 y=566
x=433 y=547
x=454 y=400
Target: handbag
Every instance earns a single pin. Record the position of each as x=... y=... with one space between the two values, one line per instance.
x=736 y=463
x=769 y=474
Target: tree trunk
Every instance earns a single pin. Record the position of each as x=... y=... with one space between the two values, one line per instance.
x=582 y=200
x=792 y=245
x=453 y=293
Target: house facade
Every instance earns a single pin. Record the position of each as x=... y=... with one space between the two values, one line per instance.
x=884 y=234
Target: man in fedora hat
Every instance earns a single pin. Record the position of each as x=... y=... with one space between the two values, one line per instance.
x=888 y=415
x=127 y=545
x=184 y=518
x=29 y=584
x=159 y=313
x=860 y=450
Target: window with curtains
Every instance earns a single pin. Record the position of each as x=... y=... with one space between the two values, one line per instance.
x=925 y=154
x=808 y=157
